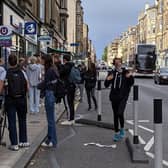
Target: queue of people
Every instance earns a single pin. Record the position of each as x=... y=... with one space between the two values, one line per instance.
x=38 y=77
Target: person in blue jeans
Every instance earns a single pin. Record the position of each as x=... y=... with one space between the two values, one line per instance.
x=51 y=77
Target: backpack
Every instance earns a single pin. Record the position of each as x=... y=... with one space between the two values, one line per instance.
x=60 y=90
x=17 y=84
x=74 y=76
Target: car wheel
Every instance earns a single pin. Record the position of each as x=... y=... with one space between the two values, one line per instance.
x=158 y=82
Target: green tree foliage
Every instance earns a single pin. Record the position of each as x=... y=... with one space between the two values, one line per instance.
x=104 y=56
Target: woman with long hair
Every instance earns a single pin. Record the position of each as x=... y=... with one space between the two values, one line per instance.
x=90 y=84
x=50 y=78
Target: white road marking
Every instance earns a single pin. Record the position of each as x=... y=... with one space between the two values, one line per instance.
x=149 y=144
x=151 y=155
x=146 y=129
x=140 y=126
x=100 y=145
x=140 y=138
x=140 y=121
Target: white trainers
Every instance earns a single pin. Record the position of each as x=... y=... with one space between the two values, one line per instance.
x=14 y=147
x=24 y=144
x=50 y=145
x=67 y=122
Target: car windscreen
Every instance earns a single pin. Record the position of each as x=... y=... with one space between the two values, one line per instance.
x=164 y=70
x=143 y=49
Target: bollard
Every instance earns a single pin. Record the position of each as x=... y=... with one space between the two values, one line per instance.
x=158 y=133
x=135 y=109
x=99 y=101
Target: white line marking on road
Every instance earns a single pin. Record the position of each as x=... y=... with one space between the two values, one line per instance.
x=140 y=121
x=73 y=133
x=140 y=138
x=149 y=144
x=151 y=155
x=140 y=126
x=100 y=145
x=147 y=129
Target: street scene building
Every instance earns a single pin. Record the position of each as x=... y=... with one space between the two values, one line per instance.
x=67 y=103
x=151 y=29
x=59 y=25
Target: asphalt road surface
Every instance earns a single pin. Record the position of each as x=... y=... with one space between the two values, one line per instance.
x=74 y=150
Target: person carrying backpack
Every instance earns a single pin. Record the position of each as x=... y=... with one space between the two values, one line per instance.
x=16 y=102
x=71 y=76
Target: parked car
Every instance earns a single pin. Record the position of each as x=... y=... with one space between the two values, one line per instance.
x=161 y=76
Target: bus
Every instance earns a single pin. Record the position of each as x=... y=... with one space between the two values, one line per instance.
x=145 y=58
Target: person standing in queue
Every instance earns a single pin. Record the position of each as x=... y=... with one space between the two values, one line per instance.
x=50 y=78
x=90 y=84
x=16 y=102
x=121 y=81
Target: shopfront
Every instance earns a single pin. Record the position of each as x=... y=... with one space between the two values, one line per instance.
x=16 y=22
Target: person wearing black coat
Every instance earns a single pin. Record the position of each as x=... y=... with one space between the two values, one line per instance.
x=121 y=81
x=90 y=84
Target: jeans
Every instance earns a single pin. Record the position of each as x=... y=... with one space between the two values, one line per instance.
x=34 y=99
x=91 y=93
x=19 y=106
x=81 y=88
x=50 y=113
x=70 y=99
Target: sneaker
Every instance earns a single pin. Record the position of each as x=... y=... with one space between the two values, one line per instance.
x=122 y=133
x=24 y=144
x=14 y=147
x=116 y=137
x=68 y=122
x=48 y=145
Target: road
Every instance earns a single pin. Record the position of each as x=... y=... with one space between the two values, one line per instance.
x=74 y=152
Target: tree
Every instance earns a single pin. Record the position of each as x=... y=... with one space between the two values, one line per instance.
x=104 y=56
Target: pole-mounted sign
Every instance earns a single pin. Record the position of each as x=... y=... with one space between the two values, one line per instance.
x=5 y=36
x=30 y=28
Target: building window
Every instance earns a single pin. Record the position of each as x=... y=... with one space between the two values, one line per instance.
x=63 y=27
x=63 y=4
x=42 y=10
x=49 y=9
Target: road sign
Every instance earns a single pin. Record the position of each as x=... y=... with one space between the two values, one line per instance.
x=5 y=36
x=44 y=38
x=74 y=44
x=30 y=28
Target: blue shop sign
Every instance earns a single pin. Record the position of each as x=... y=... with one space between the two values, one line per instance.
x=30 y=28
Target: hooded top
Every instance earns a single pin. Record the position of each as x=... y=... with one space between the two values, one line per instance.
x=120 y=85
x=33 y=73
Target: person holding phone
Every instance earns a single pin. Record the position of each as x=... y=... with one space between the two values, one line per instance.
x=121 y=81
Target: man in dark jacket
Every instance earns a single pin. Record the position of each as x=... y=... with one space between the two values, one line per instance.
x=64 y=73
x=121 y=81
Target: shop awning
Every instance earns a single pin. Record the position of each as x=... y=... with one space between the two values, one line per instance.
x=57 y=51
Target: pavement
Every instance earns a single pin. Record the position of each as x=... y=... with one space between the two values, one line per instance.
x=37 y=131
x=86 y=146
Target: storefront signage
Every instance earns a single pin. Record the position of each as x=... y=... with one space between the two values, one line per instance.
x=30 y=28
x=5 y=31
x=74 y=44
x=5 y=36
x=44 y=38
x=16 y=24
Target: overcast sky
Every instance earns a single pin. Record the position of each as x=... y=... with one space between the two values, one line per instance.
x=107 y=19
